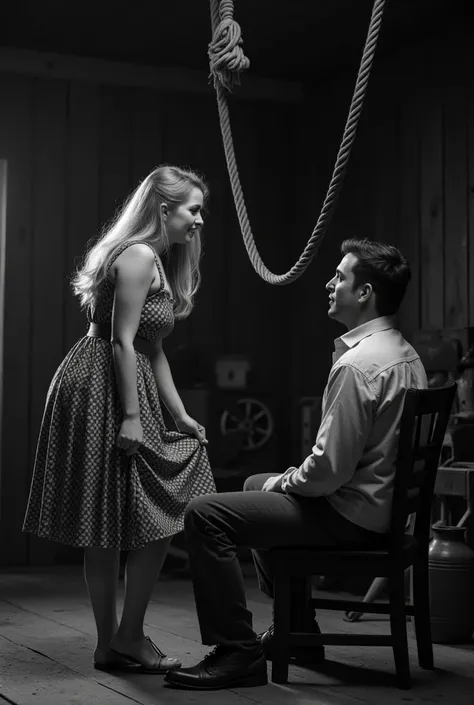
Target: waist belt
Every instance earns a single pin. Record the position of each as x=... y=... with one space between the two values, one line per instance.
x=104 y=331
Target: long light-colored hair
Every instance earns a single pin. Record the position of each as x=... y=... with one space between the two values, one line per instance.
x=140 y=219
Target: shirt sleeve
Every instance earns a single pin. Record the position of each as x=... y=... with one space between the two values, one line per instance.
x=346 y=422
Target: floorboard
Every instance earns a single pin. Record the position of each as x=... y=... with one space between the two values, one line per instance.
x=47 y=640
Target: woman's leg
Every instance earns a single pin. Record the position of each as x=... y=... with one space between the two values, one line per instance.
x=101 y=566
x=142 y=570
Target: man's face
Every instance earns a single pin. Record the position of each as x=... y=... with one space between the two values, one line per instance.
x=344 y=303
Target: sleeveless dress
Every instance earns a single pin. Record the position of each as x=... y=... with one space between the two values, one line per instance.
x=87 y=492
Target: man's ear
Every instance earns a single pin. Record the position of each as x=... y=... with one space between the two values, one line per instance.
x=164 y=210
x=365 y=292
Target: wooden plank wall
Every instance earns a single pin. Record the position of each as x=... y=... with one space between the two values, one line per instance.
x=16 y=136
x=74 y=151
x=426 y=91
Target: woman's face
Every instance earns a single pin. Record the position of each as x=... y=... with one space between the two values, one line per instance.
x=185 y=221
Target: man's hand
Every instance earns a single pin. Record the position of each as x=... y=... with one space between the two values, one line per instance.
x=273 y=484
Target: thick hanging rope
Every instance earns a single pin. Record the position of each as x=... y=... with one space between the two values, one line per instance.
x=227 y=60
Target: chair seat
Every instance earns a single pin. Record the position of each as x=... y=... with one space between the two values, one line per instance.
x=375 y=561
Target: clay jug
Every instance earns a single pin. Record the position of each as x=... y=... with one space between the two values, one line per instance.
x=451 y=579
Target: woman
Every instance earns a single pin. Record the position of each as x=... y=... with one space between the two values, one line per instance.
x=108 y=474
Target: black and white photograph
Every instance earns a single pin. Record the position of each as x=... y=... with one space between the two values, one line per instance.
x=237 y=352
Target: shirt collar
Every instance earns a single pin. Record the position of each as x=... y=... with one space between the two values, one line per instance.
x=354 y=336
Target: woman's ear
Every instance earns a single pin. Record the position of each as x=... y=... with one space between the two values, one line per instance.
x=164 y=211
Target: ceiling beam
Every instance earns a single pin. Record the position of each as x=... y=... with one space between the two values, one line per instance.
x=119 y=73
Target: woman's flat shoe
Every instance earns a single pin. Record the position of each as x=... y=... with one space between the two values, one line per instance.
x=164 y=664
x=118 y=663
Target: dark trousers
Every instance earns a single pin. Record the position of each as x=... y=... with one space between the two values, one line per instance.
x=216 y=524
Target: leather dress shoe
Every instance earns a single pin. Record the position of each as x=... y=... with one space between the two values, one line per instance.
x=307 y=655
x=222 y=668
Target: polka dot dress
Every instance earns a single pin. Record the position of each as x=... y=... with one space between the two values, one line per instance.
x=85 y=491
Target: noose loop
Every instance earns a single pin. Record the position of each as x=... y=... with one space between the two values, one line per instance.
x=227 y=60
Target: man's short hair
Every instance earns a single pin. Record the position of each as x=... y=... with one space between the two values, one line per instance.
x=382 y=266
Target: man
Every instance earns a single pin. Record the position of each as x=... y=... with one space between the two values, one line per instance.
x=340 y=495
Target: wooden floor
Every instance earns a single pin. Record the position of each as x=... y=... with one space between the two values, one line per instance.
x=47 y=639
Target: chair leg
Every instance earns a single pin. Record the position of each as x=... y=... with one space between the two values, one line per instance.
x=421 y=603
x=281 y=624
x=302 y=612
x=398 y=626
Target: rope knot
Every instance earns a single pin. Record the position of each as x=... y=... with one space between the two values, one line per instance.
x=226 y=56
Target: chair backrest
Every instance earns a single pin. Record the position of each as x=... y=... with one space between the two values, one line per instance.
x=422 y=430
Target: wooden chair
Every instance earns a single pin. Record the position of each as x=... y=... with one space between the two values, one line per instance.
x=423 y=426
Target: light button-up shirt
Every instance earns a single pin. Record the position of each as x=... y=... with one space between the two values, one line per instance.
x=353 y=460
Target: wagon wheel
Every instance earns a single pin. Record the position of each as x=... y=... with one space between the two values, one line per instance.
x=251 y=417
